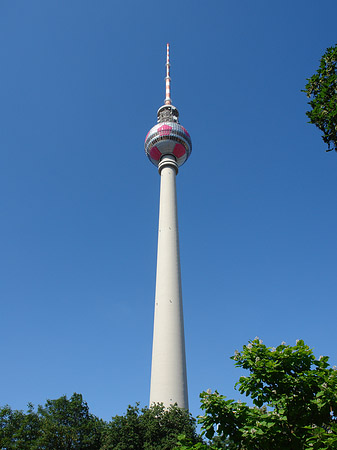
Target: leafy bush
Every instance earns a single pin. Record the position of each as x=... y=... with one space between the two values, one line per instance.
x=294 y=397
x=321 y=88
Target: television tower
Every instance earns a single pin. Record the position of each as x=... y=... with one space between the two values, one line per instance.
x=168 y=145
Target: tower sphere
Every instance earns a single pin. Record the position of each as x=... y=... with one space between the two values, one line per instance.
x=168 y=137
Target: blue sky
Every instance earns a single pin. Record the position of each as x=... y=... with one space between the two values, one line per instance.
x=80 y=85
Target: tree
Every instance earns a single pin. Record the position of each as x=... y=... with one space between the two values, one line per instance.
x=62 y=424
x=321 y=88
x=68 y=425
x=294 y=397
x=19 y=430
x=154 y=428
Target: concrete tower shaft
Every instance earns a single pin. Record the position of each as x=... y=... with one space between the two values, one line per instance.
x=168 y=373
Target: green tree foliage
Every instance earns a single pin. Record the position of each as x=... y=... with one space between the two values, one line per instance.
x=68 y=425
x=154 y=428
x=294 y=397
x=62 y=424
x=19 y=430
x=321 y=88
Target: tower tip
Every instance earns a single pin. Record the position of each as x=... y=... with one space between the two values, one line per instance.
x=168 y=79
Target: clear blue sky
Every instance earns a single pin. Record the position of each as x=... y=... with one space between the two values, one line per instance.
x=80 y=85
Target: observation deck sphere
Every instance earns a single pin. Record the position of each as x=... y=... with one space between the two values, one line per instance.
x=168 y=138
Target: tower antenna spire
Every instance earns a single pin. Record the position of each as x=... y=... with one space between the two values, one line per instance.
x=168 y=79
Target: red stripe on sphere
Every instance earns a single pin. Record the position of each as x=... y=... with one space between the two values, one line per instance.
x=179 y=150
x=155 y=153
x=164 y=130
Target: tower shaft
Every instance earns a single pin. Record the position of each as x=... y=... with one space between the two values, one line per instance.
x=168 y=373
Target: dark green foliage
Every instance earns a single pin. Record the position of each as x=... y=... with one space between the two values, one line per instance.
x=154 y=428
x=66 y=424
x=295 y=398
x=61 y=424
x=19 y=430
x=216 y=444
x=321 y=88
